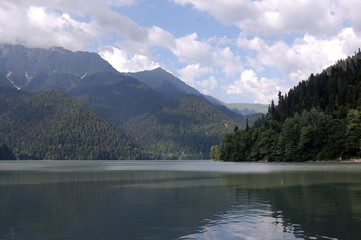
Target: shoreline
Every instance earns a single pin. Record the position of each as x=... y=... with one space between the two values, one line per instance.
x=352 y=160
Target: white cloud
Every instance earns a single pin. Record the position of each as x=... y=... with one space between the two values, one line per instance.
x=198 y=77
x=270 y=17
x=37 y=26
x=123 y=62
x=193 y=72
x=229 y=63
x=37 y=15
x=41 y=23
x=159 y=37
x=327 y=31
x=189 y=49
x=209 y=84
x=306 y=55
x=263 y=90
x=350 y=12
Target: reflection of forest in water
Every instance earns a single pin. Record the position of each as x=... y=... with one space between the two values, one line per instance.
x=169 y=205
x=317 y=204
x=109 y=205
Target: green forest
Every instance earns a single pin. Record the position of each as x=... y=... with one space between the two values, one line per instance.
x=5 y=152
x=319 y=119
x=183 y=130
x=155 y=117
x=53 y=125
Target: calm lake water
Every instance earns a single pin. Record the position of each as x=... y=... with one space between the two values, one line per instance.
x=179 y=200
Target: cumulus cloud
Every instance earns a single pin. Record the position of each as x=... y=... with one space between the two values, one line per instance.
x=270 y=17
x=208 y=85
x=262 y=89
x=326 y=31
x=189 y=49
x=79 y=25
x=41 y=23
x=192 y=72
x=305 y=56
x=124 y=62
x=198 y=77
x=225 y=58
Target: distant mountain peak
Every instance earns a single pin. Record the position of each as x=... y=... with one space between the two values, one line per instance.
x=160 y=69
x=59 y=49
x=157 y=70
x=165 y=83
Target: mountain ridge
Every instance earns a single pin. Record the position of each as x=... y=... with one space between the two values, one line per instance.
x=20 y=64
x=165 y=83
x=122 y=98
x=246 y=109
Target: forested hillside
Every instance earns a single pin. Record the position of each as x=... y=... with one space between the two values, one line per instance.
x=185 y=129
x=117 y=97
x=319 y=119
x=157 y=112
x=52 y=125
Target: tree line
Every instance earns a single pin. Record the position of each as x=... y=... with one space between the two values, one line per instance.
x=319 y=119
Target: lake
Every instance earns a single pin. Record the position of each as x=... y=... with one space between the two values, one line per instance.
x=179 y=200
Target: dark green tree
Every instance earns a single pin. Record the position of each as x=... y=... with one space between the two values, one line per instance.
x=5 y=152
x=353 y=133
x=319 y=119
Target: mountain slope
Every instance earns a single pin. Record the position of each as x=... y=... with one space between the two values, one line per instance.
x=183 y=130
x=168 y=85
x=123 y=99
x=52 y=125
x=165 y=83
x=117 y=97
x=85 y=76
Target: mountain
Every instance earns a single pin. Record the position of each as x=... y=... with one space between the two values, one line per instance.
x=168 y=85
x=183 y=130
x=118 y=97
x=165 y=83
x=85 y=76
x=21 y=66
x=319 y=119
x=247 y=108
x=138 y=103
x=52 y=125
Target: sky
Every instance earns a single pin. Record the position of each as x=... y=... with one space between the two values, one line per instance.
x=235 y=50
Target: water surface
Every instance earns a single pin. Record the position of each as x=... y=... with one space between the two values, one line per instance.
x=179 y=200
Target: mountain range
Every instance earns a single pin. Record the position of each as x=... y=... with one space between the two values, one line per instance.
x=156 y=114
x=247 y=108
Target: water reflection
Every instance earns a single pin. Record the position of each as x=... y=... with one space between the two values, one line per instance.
x=317 y=205
x=89 y=202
